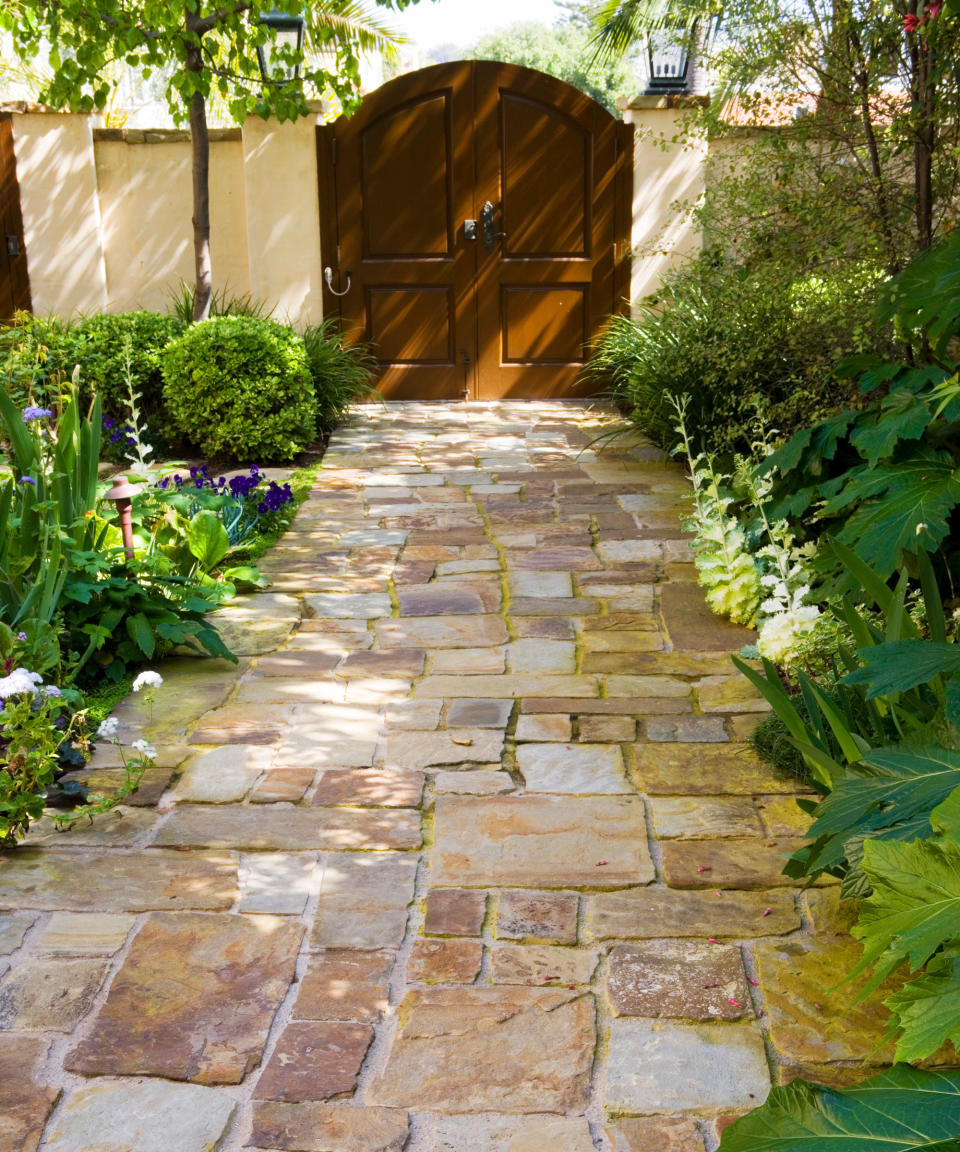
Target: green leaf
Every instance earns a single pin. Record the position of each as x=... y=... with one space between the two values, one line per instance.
x=900 y=1110
x=914 y=907
x=927 y=1009
x=900 y=417
x=207 y=539
x=902 y=665
x=141 y=633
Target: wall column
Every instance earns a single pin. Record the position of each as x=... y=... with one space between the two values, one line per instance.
x=665 y=172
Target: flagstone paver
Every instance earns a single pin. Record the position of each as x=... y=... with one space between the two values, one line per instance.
x=468 y=853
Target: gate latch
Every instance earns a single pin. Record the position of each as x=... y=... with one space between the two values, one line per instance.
x=469 y=229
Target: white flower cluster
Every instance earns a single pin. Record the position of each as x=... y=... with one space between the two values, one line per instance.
x=108 y=729
x=789 y=620
x=146 y=750
x=19 y=682
x=147 y=680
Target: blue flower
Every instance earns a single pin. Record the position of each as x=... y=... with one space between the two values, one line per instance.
x=107 y=423
x=31 y=413
x=28 y=480
x=115 y=436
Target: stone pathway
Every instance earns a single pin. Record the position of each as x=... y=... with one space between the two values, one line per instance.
x=468 y=854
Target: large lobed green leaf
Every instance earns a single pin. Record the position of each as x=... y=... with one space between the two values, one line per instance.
x=900 y=1110
x=901 y=665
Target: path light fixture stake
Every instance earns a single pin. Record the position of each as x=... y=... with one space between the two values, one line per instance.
x=122 y=494
x=289 y=31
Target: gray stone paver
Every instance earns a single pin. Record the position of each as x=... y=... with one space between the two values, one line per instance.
x=402 y=850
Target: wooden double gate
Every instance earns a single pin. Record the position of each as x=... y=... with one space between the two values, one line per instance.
x=475 y=220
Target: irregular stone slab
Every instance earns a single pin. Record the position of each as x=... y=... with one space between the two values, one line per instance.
x=25 y=1102
x=120 y=827
x=413 y=715
x=651 y=687
x=223 y=775
x=108 y=781
x=241 y=724
x=50 y=994
x=544 y=728
x=110 y=883
x=412 y=750
x=615 y=552
x=98 y=933
x=731 y=863
x=454 y=912
x=164 y=1015
x=783 y=816
x=698 y=818
x=330 y=736
x=469 y=662
x=510 y=1134
x=311 y=1127
x=476 y=782
x=573 y=768
x=252 y=625
x=549 y=917
x=541 y=964
x=147 y=1116
x=444 y=961
x=541 y=583
x=315 y=1061
x=552 y=606
x=403 y=662
x=363 y=901
x=340 y=984
x=480 y=631
x=707 y=770
x=729 y=694
x=617 y=642
x=259 y=828
x=13 y=928
x=661 y=1067
x=808 y=1022
x=373 y=537
x=478 y=713
x=506 y=687
x=830 y=915
x=650 y=913
x=656 y=1134
x=471 y=1050
x=551 y=657
x=549 y=627
x=540 y=841
x=439 y=600
x=607 y=729
x=686 y=729
x=683 y=979
x=369 y=788
x=691 y=625
x=348 y=605
x=282 y=785
x=257 y=690
x=298 y=662
x=277 y=883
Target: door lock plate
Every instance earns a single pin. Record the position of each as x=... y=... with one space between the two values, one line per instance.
x=469 y=229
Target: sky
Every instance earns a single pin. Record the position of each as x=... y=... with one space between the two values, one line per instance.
x=432 y=22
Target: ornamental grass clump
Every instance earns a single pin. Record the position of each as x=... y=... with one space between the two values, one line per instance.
x=240 y=387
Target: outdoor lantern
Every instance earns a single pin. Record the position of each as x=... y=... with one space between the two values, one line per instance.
x=289 y=33
x=122 y=494
x=668 y=60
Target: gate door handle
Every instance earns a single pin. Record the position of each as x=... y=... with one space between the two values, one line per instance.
x=328 y=276
x=486 y=224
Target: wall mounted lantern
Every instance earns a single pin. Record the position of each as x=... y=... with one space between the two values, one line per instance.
x=288 y=30
x=668 y=60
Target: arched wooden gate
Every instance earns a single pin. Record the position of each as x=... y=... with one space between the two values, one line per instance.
x=476 y=217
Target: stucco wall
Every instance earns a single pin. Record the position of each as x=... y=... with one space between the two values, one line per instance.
x=146 y=205
x=61 y=212
x=107 y=214
x=665 y=174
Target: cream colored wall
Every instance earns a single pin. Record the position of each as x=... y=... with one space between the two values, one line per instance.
x=146 y=207
x=664 y=173
x=61 y=212
x=283 y=216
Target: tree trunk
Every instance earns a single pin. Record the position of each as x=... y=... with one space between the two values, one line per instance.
x=924 y=145
x=203 y=291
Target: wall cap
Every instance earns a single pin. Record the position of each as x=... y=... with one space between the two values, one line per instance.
x=667 y=100
x=161 y=135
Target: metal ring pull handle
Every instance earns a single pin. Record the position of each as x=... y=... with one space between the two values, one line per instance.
x=328 y=276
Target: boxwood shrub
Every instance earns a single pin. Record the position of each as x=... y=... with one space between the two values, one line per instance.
x=240 y=387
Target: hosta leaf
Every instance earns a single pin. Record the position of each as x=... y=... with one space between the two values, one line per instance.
x=903 y=664
x=141 y=633
x=927 y=1009
x=900 y=1110
x=914 y=907
x=207 y=539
